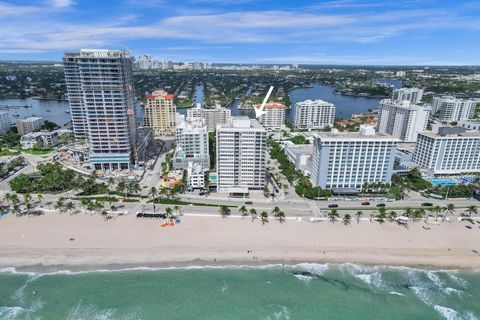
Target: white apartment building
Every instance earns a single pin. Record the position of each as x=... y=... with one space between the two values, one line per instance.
x=195 y=175
x=274 y=118
x=414 y=95
x=402 y=119
x=28 y=125
x=313 y=114
x=213 y=116
x=5 y=122
x=450 y=151
x=102 y=102
x=192 y=142
x=160 y=113
x=349 y=159
x=451 y=109
x=241 y=155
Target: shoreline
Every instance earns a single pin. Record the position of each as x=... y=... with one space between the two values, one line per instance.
x=43 y=243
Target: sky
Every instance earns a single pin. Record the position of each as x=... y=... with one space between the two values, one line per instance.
x=369 y=32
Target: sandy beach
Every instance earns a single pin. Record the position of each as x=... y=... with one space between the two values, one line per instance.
x=44 y=242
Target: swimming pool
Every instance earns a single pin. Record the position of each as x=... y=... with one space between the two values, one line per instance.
x=443 y=182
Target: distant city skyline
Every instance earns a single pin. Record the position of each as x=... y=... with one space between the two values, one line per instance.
x=371 y=32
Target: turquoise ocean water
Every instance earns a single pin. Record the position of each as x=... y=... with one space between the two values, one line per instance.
x=305 y=291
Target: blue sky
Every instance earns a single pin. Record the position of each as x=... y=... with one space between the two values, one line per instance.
x=413 y=32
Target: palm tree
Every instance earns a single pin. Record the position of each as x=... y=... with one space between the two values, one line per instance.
x=264 y=217
x=40 y=197
x=153 y=192
x=133 y=188
x=224 y=211
x=122 y=187
x=169 y=212
x=69 y=206
x=333 y=215
x=253 y=213
x=11 y=198
x=275 y=211
x=243 y=211
x=392 y=215
x=177 y=210
x=85 y=202
x=16 y=209
x=358 y=215
x=110 y=183
x=409 y=212
x=281 y=216
x=347 y=219
x=436 y=210
x=450 y=209
x=60 y=204
x=27 y=198
x=472 y=210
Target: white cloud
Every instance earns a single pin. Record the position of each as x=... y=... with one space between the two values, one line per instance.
x=62 y=3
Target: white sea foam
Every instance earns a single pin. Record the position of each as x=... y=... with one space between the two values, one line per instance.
x=314 y=268
x=449 y=291
x=8 y=313
x=372 y=279
x=459 y=281
x=394 y=293
x=433 y=276
x=282 y=314
x=469 y=315
x=447 y=313
x=303 y=278
x=90 y=312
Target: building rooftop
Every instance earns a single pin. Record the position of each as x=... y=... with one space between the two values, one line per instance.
x=31 y=119
x=99 y=53
x=365 y=133
x=275 y=105
x=317 y=102
x=242 y=122
x=159 y=93
x=451 y=132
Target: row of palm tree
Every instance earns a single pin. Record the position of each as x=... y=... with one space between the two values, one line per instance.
x=277 y=213
x=14 y=203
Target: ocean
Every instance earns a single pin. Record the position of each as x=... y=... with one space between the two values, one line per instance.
x=304 y=291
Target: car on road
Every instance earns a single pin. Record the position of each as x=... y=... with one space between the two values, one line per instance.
x=468 y=227
x=248 y=202
x=365 y=203
x=427 y=204
x=333 y=205
x=381 y=205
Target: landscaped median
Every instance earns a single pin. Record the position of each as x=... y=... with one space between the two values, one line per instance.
x=186 y=203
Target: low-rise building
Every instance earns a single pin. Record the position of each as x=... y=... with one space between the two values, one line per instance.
x=274 y=118
x=313 y=114
x=299 y=154
x=195 y=175
x=349 y=159
x=28 y=125
x=448 y=151
x=39 y=139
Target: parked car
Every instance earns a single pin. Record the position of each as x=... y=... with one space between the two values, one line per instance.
x=427 y=204
x=380 y=205
x=333 y=205
x=365 y=203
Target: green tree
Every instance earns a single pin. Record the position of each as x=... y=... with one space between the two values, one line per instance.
x=347 y=219
x=224 y=211
x=264 y=217
x=471 y=210
x=169 y=212
x=153 y=193
x=60 y=204
x=333 y=215
x=253 y=213
x=358 y=215
x=69 y=206
x=243 y=211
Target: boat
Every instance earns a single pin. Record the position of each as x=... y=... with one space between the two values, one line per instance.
x=48 y=110
x=67 y=111
x=16 y=115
